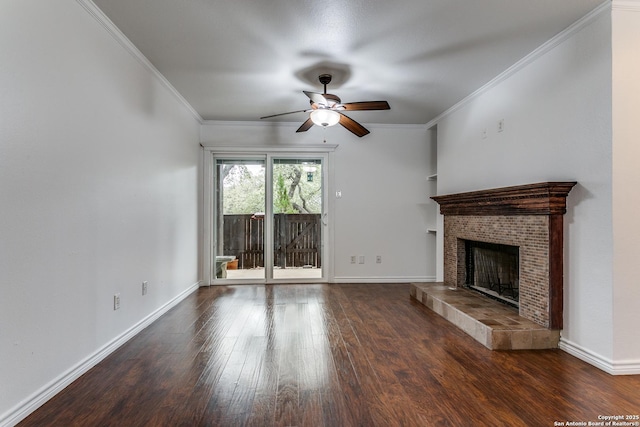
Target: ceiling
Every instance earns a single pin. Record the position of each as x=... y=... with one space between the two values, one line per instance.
x=238 y=60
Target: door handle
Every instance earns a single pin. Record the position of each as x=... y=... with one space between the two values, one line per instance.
x=324 y=219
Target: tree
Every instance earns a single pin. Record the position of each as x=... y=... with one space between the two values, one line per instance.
x=244 y=189
x=282 y=201
x=304 y=195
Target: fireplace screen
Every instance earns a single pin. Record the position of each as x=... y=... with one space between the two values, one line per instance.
x=493 y=269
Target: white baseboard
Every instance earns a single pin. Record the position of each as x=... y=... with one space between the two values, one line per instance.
x=385 y=279
x=613 y=367
x=40 y=397
x=626 y=367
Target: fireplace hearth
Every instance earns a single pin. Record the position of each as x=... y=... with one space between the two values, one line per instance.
x=526 y=219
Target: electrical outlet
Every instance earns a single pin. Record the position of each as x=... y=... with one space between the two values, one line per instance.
x=361 y=259
x=116 y=301
x=378 y=259
x=145 y=287
x=353 y=259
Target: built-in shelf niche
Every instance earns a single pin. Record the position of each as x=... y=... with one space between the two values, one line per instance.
x=431 y=229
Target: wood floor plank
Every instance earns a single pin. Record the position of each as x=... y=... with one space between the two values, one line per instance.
x=386 y=400
x=327 y=355
x=287 y=405
x=262 y=411
x=385 y=350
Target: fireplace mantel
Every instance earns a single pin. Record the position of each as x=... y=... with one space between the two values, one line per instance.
x=546 y=198
x=528 y=216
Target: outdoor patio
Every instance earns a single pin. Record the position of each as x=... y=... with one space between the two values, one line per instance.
x=278 y=273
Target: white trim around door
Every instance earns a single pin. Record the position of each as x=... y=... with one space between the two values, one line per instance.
x=211 y=153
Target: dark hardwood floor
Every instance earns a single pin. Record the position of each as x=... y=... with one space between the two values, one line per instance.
x=328 y=355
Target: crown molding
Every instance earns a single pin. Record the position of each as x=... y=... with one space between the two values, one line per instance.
x=119 y=36
x=531 y=57
x=248 y=123
x=285 y=148
x=256 y=123
x=627 y=5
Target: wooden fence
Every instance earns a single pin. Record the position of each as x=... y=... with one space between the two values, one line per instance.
x=297 y=240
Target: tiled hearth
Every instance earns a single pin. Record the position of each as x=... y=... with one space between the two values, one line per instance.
x=529 y=217
x=494 y=325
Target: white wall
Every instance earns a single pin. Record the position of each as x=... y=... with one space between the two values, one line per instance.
x=98 y=192
x=626 y=181
x=557 y=115
x=384 y=209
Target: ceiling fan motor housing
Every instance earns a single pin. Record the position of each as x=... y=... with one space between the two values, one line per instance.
x=325 y=79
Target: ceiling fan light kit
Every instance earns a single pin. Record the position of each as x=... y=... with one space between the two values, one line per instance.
x=326 y=110
x=325 y=117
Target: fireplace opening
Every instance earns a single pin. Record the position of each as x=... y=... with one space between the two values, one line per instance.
x=494 y=270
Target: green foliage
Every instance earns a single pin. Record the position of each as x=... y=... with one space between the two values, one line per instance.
x=305 y=196
x=244 y=189
x=281 y=202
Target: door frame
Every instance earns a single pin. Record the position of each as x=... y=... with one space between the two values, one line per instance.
x=324 y=151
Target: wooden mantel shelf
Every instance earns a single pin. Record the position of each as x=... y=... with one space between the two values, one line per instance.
x=545 y=198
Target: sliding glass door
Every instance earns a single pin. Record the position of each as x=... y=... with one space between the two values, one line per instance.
x=297 y=185
x=269 y=218
x=239 y=234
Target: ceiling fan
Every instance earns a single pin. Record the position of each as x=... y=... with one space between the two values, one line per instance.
x=326 y=110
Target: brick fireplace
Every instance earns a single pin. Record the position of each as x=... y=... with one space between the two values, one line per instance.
x=529 y=217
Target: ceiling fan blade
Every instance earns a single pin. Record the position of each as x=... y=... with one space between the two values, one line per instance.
x=305 y=126
x=282 y=114
x=318 y=98
x=367 y=105
x=353 y=126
